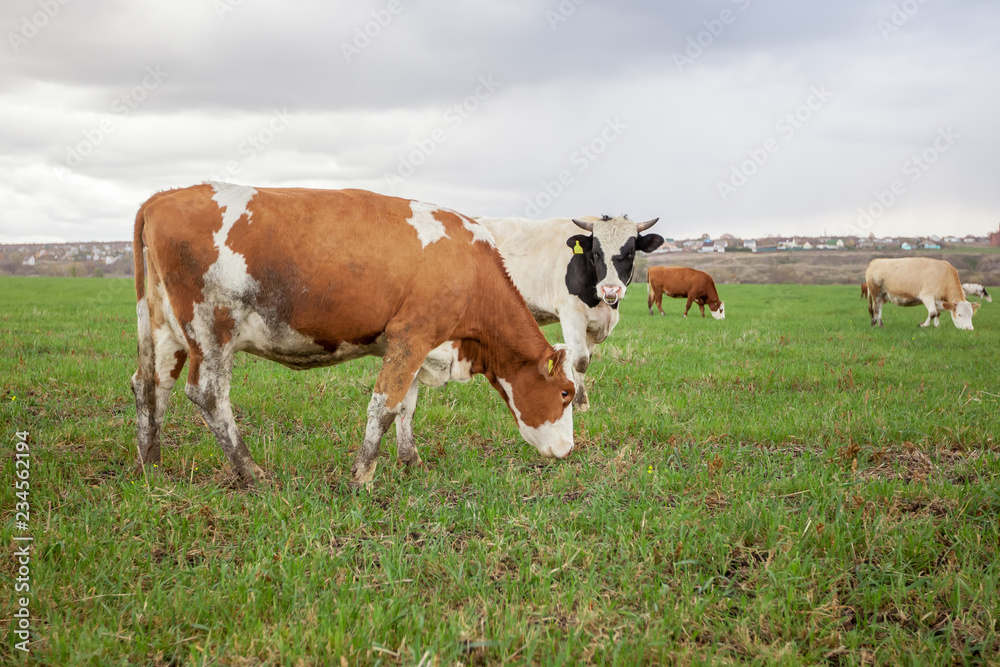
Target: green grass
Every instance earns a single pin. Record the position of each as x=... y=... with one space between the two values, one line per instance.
x=787 y=486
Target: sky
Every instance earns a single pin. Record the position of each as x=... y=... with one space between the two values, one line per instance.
x=747 y=117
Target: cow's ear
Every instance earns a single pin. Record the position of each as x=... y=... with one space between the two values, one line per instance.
x=948 y=305
x=581 y=243
x=552 y=363
x=975 y=305
x=648 y=242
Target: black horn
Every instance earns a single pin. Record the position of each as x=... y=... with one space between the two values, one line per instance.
x=583 y=224
x=643 y=226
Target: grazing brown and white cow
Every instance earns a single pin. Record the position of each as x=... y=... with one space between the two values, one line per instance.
x=909 y=281
x=680 y=282
x=312 y=278
x=571 y=278
x=975 y=289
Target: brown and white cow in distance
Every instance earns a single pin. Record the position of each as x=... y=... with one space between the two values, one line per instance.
x=680 y=282
x=910 y=281
x=312 y=278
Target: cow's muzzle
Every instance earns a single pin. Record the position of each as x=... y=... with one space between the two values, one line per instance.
x=612 y=294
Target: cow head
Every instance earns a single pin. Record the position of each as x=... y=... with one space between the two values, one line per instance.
x=540 y=396
x=720 y=312
x=608 y=255
x=961 y=313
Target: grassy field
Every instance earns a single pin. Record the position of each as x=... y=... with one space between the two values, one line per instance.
x=787 y=486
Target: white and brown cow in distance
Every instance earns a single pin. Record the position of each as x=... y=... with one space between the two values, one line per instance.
x=312 y=278
x=975 y=289
x=681 y=282
x=574 y=279
x=910 y=281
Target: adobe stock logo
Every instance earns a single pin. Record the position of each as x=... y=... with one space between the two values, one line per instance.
x=786 y=127
x=30 y=26
x=121 y=107
x=914 y=168
x=703 y=40
x=454 y=118
x=364 y=34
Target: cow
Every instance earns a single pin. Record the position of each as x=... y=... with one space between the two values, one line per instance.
x=909 y=281
x=310 y=278
x=680 y=282
x=574 y=279
x=975 y=289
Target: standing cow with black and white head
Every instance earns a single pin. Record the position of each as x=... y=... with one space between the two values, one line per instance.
x=576 y=279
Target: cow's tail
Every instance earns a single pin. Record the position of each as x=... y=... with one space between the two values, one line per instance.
x=145 y=329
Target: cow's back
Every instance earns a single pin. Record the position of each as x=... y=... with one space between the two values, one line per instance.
x=681 y=281
x=303 y=258
x=911 y=278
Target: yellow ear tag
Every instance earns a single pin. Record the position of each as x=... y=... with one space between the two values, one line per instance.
x=577 y=249
x=551 y=366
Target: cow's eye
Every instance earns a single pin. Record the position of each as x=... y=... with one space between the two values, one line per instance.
x=565 y=394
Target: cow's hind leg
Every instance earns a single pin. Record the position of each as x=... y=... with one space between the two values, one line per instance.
x=170 y=356
x=209 y=379
x=875 y=308
x=406 y=443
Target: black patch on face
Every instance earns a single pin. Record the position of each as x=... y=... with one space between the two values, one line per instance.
x=624 y=261
x=581 y=279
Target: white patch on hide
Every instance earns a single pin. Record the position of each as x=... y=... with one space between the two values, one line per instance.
x=479 y=232
x=429 y=229
x=229 y=272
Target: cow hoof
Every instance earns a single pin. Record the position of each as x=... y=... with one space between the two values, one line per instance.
x=149 y=469
x=357 y=487
x=412 y=462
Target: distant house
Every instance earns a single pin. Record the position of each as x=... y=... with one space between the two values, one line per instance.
x=953 y=239
x=750 y=244
x=28 y=261
x=787 y=245
x=668 y=246
x=807 y=246
x=906 y=246
x=928 y=245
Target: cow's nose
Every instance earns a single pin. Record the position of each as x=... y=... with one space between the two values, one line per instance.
x=611 y=293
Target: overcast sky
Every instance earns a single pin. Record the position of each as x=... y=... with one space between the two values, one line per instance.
x=740 y=116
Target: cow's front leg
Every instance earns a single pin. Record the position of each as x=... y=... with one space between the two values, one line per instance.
x=406 y=443
x=688 y=306
x=932 y=312
x=574 y=326
x=402 y=360
x=701 y=307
